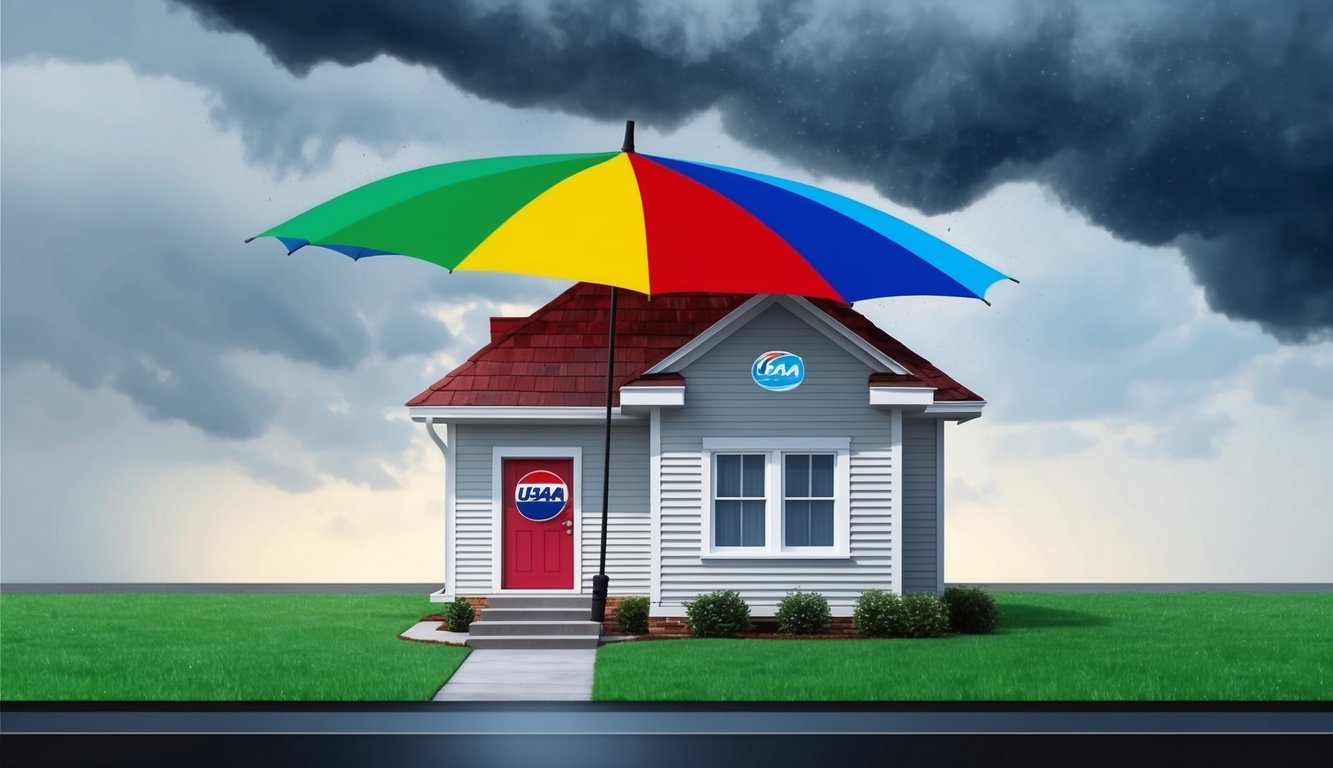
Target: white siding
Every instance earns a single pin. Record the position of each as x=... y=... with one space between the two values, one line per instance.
x=920 y=573
x=722 y=401
x=627 y=549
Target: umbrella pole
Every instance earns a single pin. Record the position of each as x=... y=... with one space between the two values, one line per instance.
x=600 y=581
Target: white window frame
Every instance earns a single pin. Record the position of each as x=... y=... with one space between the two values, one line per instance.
x=774 y=448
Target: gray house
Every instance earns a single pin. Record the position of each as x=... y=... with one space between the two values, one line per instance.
x=759 y=443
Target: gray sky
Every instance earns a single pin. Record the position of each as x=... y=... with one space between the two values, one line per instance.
x=178 y=406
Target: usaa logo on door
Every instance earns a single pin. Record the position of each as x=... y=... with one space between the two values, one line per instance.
x=540 y=495
x=778 y=371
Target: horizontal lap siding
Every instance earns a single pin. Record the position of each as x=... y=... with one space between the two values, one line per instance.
x=722 y=401
x=628 y=529
x=920 y=572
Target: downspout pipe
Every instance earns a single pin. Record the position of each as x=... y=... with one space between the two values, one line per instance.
x=444 y=454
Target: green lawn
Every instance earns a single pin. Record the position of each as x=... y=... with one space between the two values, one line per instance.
x=215 y=647
x=1050 y=647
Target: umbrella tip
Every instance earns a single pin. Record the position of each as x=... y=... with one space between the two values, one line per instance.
x=1015 y=280
x=249 y=239
x=628 y=146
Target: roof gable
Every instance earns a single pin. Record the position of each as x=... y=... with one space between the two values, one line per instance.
x=557 y=356
x=802 y=308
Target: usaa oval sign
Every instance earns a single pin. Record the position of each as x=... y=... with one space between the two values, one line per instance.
x=778 y=371
x=540 y=495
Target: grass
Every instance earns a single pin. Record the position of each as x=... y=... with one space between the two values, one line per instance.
x=1050 y=647
x=217 y=647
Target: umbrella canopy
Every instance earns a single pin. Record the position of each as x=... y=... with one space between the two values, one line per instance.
x=650 y=224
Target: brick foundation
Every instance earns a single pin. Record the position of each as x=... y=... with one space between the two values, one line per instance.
x=668 y=626
x=678 y=626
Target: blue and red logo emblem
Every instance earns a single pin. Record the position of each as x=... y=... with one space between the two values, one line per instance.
x=540 y=495
x=778 y=371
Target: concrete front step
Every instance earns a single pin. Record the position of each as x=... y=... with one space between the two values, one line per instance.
x=535 y=621
x=488 y=628
x=518 y=642
x=535 y=614
x=568 y=602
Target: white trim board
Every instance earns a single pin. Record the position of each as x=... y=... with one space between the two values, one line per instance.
x=498 y=454
x=910 y=397
x=896 y=500
x=504 y=413
x=655 y=506
x=939 y=506
x=631 y=397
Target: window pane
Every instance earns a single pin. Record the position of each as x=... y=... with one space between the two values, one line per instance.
x=821 y=475
x=796 y=523
x=796 y=474
x=727 y=524
x=752 y=523
x=808 y=523
x=729 y=475
x=821 y=523
x=753 y=471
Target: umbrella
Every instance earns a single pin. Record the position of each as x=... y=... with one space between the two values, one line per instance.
x=642 y=222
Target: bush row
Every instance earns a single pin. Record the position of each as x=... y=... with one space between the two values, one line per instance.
x=877 y=613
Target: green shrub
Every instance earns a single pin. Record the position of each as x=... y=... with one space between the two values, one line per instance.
x=971 y=611
x=923 y=615
x=718 y=614
x=803 y=613
x=877 y=613
x=632 y=615
x=458 y=615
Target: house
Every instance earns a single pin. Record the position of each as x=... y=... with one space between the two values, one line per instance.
x=759 y=443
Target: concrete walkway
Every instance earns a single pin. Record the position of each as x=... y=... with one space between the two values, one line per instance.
x=522 y=675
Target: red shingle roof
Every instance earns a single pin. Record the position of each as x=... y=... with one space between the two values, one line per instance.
x=557 y=356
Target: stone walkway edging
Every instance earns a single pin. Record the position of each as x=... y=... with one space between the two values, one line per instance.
x=430 y=632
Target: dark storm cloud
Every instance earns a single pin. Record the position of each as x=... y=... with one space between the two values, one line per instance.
x=1205 y=125
x=123 y=268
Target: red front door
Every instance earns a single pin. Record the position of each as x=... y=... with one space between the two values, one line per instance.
x=538 y=497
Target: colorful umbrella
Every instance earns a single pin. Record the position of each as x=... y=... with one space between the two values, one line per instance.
x=646 y=223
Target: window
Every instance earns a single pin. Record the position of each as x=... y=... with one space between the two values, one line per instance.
x=776 y=498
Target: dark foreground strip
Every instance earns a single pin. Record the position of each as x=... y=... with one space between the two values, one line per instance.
x=669 y=751
x=678 y=735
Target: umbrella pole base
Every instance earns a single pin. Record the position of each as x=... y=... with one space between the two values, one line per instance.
x=599 y=585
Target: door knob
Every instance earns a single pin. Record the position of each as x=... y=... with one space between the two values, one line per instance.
x=568 y=523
